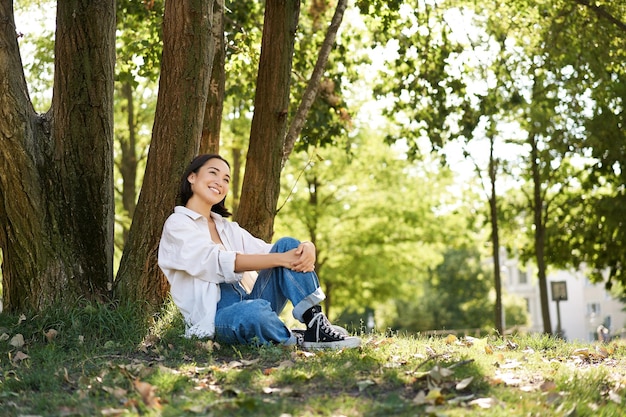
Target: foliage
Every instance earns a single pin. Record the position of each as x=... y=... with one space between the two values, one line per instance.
x=146 y=371
x=36 y=46
x=379 y=222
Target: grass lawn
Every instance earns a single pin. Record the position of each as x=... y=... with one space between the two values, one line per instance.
x=92 y=360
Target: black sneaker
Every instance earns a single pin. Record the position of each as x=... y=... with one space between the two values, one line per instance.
x=320 y=333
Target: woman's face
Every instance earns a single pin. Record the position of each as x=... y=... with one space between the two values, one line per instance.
x=211 y=183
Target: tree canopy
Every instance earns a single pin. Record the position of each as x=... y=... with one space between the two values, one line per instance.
x=341 y=123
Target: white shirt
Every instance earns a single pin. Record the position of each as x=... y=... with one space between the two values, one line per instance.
x=195 y=266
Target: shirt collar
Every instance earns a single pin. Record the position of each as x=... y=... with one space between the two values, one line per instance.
x=194 y=215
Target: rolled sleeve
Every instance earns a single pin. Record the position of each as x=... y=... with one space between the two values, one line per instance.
x=226 y=261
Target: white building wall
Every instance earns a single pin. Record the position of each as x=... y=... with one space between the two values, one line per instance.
x=587 y=306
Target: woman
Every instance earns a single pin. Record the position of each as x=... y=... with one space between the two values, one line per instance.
x=210 y=264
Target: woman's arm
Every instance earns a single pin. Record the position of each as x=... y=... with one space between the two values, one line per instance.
x=300 y=259
x=248 y=262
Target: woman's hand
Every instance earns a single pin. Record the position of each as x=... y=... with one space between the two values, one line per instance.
x=306 y=257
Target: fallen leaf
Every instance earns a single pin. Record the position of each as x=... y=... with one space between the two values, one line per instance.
x=488 y=349
x=483 y=402
x=511 y=345
x=615 y=397
x=601 y=350
x=451 y=339
x=581 y=352
x=430 y=351
x=509 y=379
x=147 y=392
x=364 y=384
x=420 y=398
x=460 y=399
x=20 y=356
x=461 y=385
x=302 y=353
x=50 y=335
x=21 y=319
x=547 y=386
x=438 y=374
x=118 y=393
x=4 y=337
x=113 y=411
x=66 y=376
x=435 y=397
x=279 y=391
x=17 y=341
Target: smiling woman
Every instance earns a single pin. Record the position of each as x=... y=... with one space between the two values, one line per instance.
x=211 y=265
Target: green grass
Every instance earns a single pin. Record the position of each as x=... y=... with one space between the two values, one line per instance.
x=108 y=361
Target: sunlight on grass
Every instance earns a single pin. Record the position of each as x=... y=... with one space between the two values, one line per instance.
x=104 y=360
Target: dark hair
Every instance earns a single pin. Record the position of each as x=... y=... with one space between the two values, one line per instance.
x=184 y=191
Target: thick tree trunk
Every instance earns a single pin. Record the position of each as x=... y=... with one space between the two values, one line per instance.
x=56 y=179
x=183 y=89
x=261 y=185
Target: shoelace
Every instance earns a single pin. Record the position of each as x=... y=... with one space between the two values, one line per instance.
x=322 y=321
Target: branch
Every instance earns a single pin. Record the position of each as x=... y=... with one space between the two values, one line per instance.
x=313 y=86
x=602 y=13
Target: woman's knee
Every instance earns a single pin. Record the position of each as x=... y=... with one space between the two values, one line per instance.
x=285 y=243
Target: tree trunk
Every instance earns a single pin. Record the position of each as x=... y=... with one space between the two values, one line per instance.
x=56 y=179
x=215 y=102
x=495 y=240
x=261 y=185
x=540 y=233
x=312 y=87
x=183 y=89
x=128 y=164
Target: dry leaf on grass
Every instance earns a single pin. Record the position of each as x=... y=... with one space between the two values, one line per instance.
x=113 y=411
x=464 y=383
x=364 y=384
x=17 y=341
x=484 y=402
x=147 y=392
x=19 y=357
x=50 y=335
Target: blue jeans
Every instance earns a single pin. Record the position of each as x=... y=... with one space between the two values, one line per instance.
x=253 y=318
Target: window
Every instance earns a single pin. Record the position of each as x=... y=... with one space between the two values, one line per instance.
x=593 y=309
x=523 y=277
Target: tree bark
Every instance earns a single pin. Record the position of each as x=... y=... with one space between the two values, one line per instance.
x=183 y=89
x=129 y=162
x=215 y=103
x=313 y=85
x=540 y=233
x=56 y=180
x=261 y=184
x=495 y=240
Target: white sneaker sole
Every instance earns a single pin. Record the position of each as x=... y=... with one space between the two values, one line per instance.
x=348 y=342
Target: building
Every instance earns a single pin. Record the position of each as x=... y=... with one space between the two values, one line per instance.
x=587 y=305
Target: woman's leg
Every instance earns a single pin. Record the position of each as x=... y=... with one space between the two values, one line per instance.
x=277 y=285
x=251 y=322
